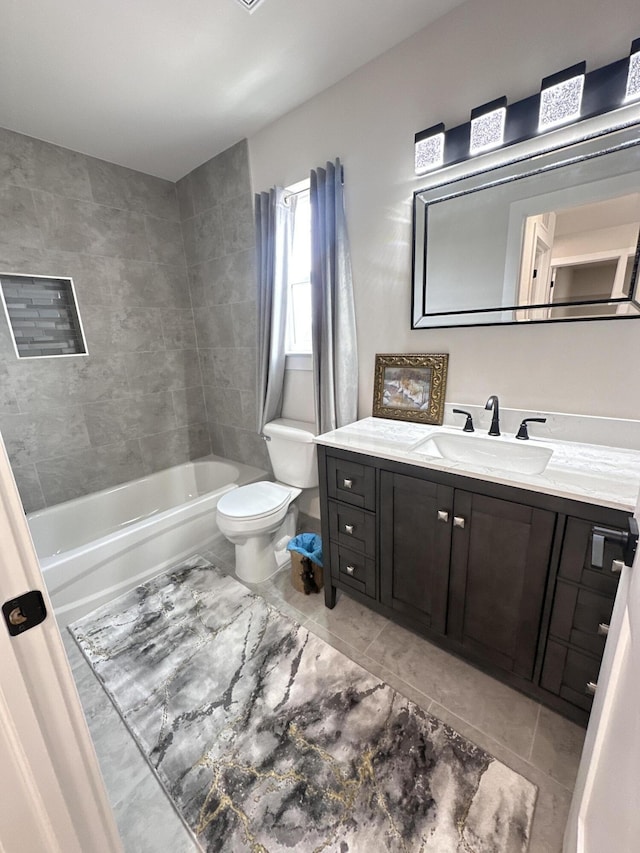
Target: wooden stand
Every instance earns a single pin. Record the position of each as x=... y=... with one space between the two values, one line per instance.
x=297 y=568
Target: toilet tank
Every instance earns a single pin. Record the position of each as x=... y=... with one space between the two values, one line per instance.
x=292 y=452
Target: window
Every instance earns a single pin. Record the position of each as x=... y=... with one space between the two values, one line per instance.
x=299 y=269
x=42 y=315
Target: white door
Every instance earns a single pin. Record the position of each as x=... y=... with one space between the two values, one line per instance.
x=535 y=267
x=605 y=811
x=52 y=797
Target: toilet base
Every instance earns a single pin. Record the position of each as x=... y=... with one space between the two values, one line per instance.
x=260 y=557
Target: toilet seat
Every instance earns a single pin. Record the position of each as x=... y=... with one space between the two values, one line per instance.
x=254 y=502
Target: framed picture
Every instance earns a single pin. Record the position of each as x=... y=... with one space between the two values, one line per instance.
x=410 y=387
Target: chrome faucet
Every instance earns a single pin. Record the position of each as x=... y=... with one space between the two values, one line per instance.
x=493 y=406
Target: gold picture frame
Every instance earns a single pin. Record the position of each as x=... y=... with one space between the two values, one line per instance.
x=410 y=387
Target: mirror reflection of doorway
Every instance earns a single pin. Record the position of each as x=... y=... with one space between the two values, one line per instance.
x=588 y=280
x=579 y=254
x=535 y=272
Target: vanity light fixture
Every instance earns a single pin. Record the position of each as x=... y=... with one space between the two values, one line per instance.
x=567 y=97
x=487 y=126
x=561 y=97
x=429 y=149
x=633 y=76
x=250 y=5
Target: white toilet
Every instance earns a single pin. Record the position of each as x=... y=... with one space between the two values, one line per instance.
x=259 y=518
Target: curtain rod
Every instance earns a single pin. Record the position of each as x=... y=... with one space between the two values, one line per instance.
x=308 y=188
x=297 y=192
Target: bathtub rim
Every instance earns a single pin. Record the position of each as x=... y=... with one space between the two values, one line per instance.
x=66 y=613
x=246 y=474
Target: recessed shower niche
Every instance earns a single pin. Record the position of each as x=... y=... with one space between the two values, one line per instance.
x=42 y=315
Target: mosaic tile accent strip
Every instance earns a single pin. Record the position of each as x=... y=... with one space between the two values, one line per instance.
x=42 y=315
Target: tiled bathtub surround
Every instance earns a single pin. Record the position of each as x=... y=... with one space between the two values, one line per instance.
x=136 y=403
x=216 y=206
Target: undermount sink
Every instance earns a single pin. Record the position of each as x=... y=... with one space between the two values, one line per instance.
x=488 y=452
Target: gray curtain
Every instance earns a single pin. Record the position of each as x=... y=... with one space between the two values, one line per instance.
x=335 y=353
x=273 y=236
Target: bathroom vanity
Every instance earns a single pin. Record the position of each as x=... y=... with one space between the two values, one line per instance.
x=514 y=571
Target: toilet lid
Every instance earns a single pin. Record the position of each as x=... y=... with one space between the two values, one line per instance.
x=254 y=500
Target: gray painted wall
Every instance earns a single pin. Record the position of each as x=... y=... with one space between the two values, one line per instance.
x=216 y=206
x=479 y=51
x=135 y=404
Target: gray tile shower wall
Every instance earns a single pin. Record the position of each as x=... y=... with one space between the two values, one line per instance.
x=216 y=207
x=135 y=404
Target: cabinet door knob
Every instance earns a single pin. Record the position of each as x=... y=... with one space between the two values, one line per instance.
x=617 y=566
x=591 y=688
x=350 y=569
x=458 y=521
x=348 y=528
x=443 y=515
x=603 y=629
x=347 y=484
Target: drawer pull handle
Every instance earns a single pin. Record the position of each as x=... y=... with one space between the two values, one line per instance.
x=443 y=515
x=591 y=688
x=347 y=484
x=603 y=629
x=617 y=566
x=458 y=521
x=350 y=570
x=348 y=528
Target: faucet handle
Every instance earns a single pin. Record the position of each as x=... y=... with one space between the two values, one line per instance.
x=468 y=425
x=523 y=432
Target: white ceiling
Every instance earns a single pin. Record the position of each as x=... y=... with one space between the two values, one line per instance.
x=163 y=85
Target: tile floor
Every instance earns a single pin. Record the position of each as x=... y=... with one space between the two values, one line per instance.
x=531 y=739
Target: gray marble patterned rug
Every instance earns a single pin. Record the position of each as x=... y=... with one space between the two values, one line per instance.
x=269 y=740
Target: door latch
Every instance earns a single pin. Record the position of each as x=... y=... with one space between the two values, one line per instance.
x=627 y=538
x=24 y=612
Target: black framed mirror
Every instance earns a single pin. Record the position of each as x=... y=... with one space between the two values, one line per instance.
x=549 y=235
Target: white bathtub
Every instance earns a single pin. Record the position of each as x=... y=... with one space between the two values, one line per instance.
x=97 y=547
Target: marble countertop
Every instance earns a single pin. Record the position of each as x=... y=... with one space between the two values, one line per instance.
x=592 y=473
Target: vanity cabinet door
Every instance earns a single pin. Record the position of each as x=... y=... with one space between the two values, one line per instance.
x=500 y=557
x=415 y=542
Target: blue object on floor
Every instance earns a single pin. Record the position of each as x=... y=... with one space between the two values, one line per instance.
x=307 y=544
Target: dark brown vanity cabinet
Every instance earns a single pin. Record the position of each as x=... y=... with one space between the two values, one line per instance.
x=499 y=566
x=349 y=513
x=415 y=548
x=501 y=576
x=582 y=606
x=466 y=565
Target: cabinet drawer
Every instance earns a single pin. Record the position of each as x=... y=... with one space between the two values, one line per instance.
x=566 y=672
x=351 y=482
x=352 y=527
x=353 y=569
x=577 y=613
x=575 y=562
